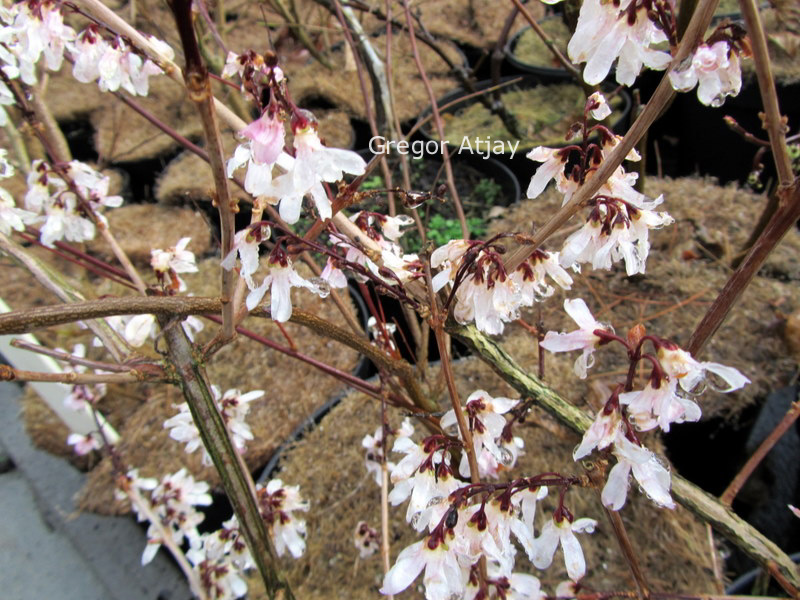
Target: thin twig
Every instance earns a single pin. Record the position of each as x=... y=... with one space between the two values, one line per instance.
x=660 y=98
x=437 y=120
x=153 y=373
x=68 y=358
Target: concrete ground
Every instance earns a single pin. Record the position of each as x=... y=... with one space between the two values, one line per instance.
x=49 y=550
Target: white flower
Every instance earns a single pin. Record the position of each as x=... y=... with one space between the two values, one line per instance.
x=601 y=109
x=12 y=217
x=232 y=405
x=651 y=475
x=601 y=433
x=486 y=423
x=84 y=444
x=583 y=338
x=312 y=165
x=563 y=532
x=444 y=578
x=246 y=244
x=391 y=226
x=553 y=161
x=277 y=503
x=659 y=404
x=680 y=365
x=365 y=539
x=280 y=280
x=717 y=70
x=530 y=277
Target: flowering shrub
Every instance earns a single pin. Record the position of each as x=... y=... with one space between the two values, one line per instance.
x=457 y=470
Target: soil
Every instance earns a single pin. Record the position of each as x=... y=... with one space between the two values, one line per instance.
x=545 y=112
x=328 y=465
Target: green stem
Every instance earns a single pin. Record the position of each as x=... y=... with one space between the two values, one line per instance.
x=236 y=480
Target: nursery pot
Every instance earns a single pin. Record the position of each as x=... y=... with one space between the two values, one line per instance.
x=527 y=54
x=542 y=123
x=482 y=183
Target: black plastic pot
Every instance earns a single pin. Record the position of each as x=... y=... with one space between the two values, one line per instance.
x=519 y=164
x=492 y=169
x=546 y=72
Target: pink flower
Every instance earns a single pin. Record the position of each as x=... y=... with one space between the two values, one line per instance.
x=583 y=338
x=83 y=444
x=266 y=134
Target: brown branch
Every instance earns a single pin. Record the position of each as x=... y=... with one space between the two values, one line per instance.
x=150 y=373
x=784 y=218
x=774 y=123
x=198 y=84
x=23 y=321
x=660 y=98
x=788 y=420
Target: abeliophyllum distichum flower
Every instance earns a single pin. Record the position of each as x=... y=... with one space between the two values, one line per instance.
x=675 y=379
x=643 y=33
x=620 y=218
x=482 y=288
x=465 y=522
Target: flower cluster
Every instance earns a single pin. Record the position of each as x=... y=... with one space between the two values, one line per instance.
x=715 y=68
x=113 y=64
x=172 y=502
x=495 y=448
x=36 y=28
x=67 y=202
x=278 y=504
x=464 y=522
x=663 y=401
x=233 y=406
x=621 y=218
x=220 y=559
x=484 y=291
x=303 y=174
